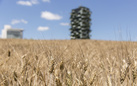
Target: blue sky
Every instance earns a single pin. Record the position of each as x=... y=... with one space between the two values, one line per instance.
x=49 y=19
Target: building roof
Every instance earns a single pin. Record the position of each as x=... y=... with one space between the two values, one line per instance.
x=11 y=29
x=79 y=8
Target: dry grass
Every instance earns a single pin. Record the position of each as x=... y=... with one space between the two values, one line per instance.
x=67 y=63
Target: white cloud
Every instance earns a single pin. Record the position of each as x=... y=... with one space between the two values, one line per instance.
x=50 y=16
x=34 y=1
x=18 y=21
x=64 y=24
x=41 y=28
x=46 y=0
x=15 y=21
x=24 y=21
x=27 y=3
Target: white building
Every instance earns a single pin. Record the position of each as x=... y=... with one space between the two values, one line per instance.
x=9 y=32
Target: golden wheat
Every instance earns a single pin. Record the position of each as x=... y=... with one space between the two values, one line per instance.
x=67 y=63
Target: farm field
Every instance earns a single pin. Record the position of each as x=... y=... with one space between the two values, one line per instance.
x=67 y=63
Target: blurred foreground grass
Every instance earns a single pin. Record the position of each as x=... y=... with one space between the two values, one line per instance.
x=67 y=63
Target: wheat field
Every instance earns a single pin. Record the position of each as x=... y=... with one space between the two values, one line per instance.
x=67 y=63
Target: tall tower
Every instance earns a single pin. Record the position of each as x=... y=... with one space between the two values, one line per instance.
x=80 y=23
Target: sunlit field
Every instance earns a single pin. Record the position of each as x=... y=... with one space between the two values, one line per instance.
x=67 y=63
